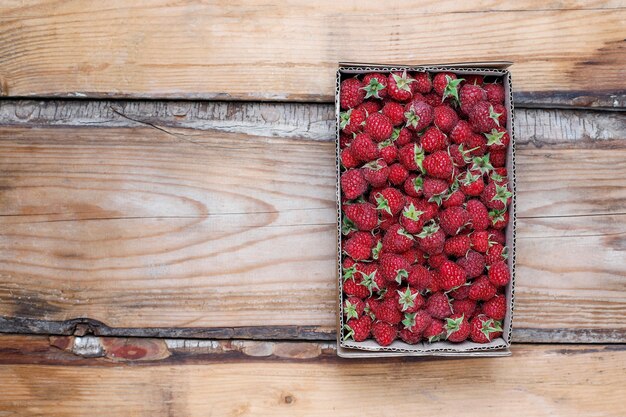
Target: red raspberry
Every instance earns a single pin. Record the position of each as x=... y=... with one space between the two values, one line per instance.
x=479 y=215
x=435 y=331
x=390 y=201
x=363 y=215
x=433 y=140
x=416 y=322
x=451 y=275
x=413 y=185
x=399 y=86
x=384 y=333
x=457 y=245
x=484 y=116
x=376 y=173
x=418 y=115
x=495 y=307
x=397 y=240
x=457 y=328
x=484 y=329
x=353 y=307
x=452 y=220
x=395 y=112
x=438 y=306
x=364 y=148
x=410 y=300
x=348 y=160
x=351 y=94
x=411 y=156
x=481 y=289
x=420 y=277
x=438 y=165
x=423 y=83
x=375 y=85
x=359 y=246
x=499 y=274
x=461 y=132
x=495 y=93
x=445 y=118
x=353 y=184
x=370 y=106
x=402 y=136
x=397 y=174
x=358 y=329
x=473 y=263
x=393 y=267
x=388 y=152
x=465 y=307
x=431 y=239
x=470 y=95
x=378 y=126
x=480 y=241
x=435 y=261
x=495 y=253
x=352 y=121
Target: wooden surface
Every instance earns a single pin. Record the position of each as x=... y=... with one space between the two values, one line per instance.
x=207 y=227
x=205 y=231
x=566 y=53
x=256 y=378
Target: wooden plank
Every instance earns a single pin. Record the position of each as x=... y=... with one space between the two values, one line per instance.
x=305 y=379
x=564 y=53
x=311 y=121
x=210 y=234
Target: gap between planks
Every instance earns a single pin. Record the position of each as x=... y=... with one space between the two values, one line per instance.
x=304 y=121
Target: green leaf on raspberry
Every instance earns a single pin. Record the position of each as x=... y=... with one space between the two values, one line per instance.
x=383 y=204
x=419 y=156
x=409 y=320
x=502 y=194
x=402 y=273
x=350 y=310
x=494 y=116
x=403 y=82
x=369 y=281
x=407 y=299
x=411 y=213
x=406 y=234
x=482 y=164
x=494 y=138
x=452 y=88
x=376 y=250
x=497 y=215
x=453 y=325
x=412 y=119
x=347 y=226
x=348 y=273
x=344 y=118
x=428 y=230
x=418 y=183
x=372 y=88
x=349 y=333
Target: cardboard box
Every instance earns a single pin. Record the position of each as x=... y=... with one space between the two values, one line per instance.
x=497 y=347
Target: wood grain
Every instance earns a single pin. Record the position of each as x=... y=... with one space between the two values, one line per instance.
x=565 y=53
x=138 y=228
x=299 y=379
x=312 y=121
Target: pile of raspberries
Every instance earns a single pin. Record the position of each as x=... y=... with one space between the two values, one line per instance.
x=424 y=198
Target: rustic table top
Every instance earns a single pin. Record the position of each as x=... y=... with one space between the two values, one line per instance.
x=169 y=249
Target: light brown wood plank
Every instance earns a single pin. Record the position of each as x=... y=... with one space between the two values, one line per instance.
x=314 y=121
x=220 y=234
x=537 y=380
x=565 y=53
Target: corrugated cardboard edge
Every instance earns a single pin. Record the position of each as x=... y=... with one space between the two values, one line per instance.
x=498 y=347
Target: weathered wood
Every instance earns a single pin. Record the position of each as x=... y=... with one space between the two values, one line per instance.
x=210 y=234
x=311 y=121
x=308 y=379
x=564 y=54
